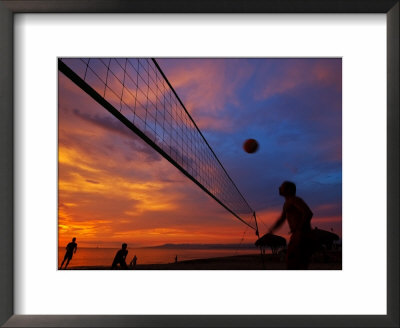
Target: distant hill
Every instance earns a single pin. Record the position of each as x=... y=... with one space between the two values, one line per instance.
x=205 y=246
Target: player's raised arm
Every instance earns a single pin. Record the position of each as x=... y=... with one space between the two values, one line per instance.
x=279 y=222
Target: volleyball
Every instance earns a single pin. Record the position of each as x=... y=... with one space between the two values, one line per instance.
x=250 y=146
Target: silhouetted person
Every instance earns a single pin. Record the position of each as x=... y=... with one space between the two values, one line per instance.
x=298 y=215
x=71 y=249
x=120 y=258
x=133 y=262
x=176 y=259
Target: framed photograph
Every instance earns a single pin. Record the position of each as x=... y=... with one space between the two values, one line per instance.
x=145 y=212
x=100 y=98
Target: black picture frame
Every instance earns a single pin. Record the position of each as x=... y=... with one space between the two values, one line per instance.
x=7 y=10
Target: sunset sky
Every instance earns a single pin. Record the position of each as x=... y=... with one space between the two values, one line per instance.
x=114 y=188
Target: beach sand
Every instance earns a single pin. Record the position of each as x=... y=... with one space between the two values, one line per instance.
x=239 y=262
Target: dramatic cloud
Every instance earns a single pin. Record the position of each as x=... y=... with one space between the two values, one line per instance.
x=208 y=87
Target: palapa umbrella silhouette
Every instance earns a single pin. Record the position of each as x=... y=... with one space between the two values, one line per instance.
x=321 y=238
x=273 y=241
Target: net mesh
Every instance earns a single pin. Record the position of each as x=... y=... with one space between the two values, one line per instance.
x=139 y=90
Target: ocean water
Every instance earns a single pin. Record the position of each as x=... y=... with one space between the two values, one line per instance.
x=105 y=256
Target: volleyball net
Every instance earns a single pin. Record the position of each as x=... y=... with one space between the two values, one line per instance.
x=137 y=92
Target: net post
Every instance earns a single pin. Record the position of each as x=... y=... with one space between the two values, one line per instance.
x=258 y=236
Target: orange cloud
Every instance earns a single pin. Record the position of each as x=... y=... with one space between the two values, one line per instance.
x=299 y=73
x=212 y=88
x=105 y=196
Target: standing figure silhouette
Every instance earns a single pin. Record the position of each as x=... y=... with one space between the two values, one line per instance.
x=133 y=262
x=71 y=249
x=298 y=215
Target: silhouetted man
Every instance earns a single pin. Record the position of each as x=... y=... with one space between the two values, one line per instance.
x=71 y=249
x=133 y=262
x=120 y=258
x=298 y=215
